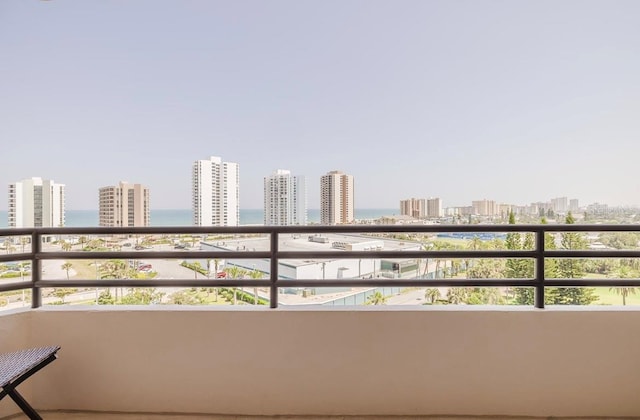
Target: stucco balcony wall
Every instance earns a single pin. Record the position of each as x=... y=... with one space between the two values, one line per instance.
x=351 y=361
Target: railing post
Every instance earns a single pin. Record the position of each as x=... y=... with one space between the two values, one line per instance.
x=36 y=269
x=539 y=287
x=274 y=270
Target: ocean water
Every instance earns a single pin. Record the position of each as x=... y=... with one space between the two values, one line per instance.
x=182 y=217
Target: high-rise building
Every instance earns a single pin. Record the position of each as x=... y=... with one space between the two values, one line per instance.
x=484 y=207
x=336 y=198
x=560 y=205
x=414 y=207
x=574 y=205
x=36 y=202
x=434 y=207
x=215 y=192
x=124 y=205
x=285 y=199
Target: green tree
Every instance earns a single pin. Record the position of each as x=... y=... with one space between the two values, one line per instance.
x=376 y=298
x=106 y=298
x=142 y=296
x=432 y=295
x=255 y=275
x=623 y=272
x=426 y=246
x=457 y=295
x=62 y=293
x=186 y=297
x=235 y=272
x=485 y=296
x=117 y=269
x=66 y=246
x=519 y=268
x=573 y=268
x=196 y=266
x=67 y=266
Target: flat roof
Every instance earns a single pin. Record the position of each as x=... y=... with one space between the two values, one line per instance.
x=301 y=242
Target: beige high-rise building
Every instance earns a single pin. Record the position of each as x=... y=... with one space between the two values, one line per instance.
x=434 y=207
x=484 y=207
x=124 y=205
x=336 y=198
x=414 y=207
x=36 y=202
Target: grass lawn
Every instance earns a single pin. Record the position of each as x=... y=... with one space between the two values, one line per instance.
x=611 y=297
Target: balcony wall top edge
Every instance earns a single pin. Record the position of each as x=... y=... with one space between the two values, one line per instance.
x=322 y=309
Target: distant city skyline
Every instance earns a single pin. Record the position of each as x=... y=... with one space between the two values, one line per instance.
x=515 y=102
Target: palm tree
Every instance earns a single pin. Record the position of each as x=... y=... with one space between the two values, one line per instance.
x=623 y=272
x=457 y=295
x=67 y=266
x=426 y=247
x=235 y=272
x=66 y=246
x=24 y=240
x=116 y=269
x=256 y=275
x=376 y=299
x=196 y=267
x=432 y=295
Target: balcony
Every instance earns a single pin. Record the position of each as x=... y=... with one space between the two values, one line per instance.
x=309 y=360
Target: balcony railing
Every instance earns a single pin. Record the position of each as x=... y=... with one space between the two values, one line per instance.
x=276 y=253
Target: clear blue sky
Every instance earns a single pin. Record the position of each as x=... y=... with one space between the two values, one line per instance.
x=515 y=101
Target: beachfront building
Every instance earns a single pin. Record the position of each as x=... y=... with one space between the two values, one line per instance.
x=285 y=199
x=124 y=205
x=36 y=202
x=215 y=192
x=484 y=208
x=336 y=198
x=434 y=208
x=413 y=207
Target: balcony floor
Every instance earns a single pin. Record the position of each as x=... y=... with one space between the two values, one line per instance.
x=75 y=415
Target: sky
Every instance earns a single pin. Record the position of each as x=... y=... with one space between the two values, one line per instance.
x=513 y=101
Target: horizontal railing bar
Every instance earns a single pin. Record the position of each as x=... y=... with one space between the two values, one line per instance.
x=152 y=283
x=610 y=282
x=361 y=228
x=407 y=283
x=329 y=283
x=136 y=255
x=300 y=255
x=10 y=287
x=22 y=256
x=592 y=254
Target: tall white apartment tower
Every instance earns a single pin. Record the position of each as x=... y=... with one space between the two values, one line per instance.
x=285 y=199
x=215 y=192
x=124 y=205
x=36 y=202
x=434 y=207
x=336 y=198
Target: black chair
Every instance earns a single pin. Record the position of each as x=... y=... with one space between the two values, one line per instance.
x=16 y=367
